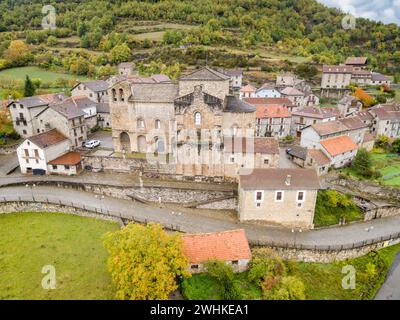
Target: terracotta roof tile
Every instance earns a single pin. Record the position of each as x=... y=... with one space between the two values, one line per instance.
x=319 y=157
x=272 y=111
x=224 y=246
x=338 y=145
x=70 y=158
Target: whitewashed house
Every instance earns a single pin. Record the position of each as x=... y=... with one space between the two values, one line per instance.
x=94 y=90
x=247 y=91
x=268 y=91
x=340 y=150
x=36 y=151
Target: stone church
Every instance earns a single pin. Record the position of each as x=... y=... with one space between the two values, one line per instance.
x=189 y=120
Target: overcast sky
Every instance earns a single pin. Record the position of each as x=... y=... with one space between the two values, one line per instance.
x=381 y=10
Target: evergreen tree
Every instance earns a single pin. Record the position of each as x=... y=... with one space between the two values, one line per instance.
x=363 y=164
x=29 y=89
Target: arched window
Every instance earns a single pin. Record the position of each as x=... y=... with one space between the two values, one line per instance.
x=114 y=94
x=121 y=95
x=197 y=119
x=140 y=123
x=158 y=124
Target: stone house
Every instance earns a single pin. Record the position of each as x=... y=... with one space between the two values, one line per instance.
x=103 y=115
x=361 y=77
x=386 y=120
x=335 y=80
x=307 y=116
x=230 y=247
x=284 y=80
x=378 y=79
x=247 y=154
x=349 y=105
x=268 y=91
x=67 y=118
x=247 y=91
x=38 y=150
x=356 y=128
x=89 y=108
x=340 y=150
x=369 y=141
x=236 y=78
x=309 y=158
x=68 y=164
x=273 y=121
x=94 y=90
x=296 y=96
x=23 y=112
x=126 y=69
x=285 y=197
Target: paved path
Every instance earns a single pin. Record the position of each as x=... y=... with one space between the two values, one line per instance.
x=391 y=288
x=8 y=163
x=188 y=221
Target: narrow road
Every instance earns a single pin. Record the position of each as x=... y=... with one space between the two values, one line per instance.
x=391 y=288
x=191 y=222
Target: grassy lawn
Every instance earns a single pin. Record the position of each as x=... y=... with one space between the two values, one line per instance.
x=36 y=72
x=323 y=281
x=327 y=214
x=72 y=244
x=387 y=164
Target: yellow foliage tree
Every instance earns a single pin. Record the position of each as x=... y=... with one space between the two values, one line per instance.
x=18 y=52
x=145 y=262
x=365 y=98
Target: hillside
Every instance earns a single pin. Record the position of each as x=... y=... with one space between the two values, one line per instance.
x=243 y=33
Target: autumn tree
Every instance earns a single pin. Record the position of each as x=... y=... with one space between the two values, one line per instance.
x=145 y=262
x=364 y=97
x=18 y=53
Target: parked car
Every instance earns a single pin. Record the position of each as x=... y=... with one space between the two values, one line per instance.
x=92 y=144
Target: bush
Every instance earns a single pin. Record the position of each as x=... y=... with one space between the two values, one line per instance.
x=224 y=275
x=362 y=164
x=288 y=288
x=14 y=135
x=265 y=263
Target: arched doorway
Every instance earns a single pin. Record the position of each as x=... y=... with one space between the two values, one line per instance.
x=125 y=142
x=142 y=144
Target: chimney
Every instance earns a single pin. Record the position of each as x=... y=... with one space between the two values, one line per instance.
x=288 y=180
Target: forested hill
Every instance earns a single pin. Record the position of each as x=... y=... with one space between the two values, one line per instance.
x=298 y=27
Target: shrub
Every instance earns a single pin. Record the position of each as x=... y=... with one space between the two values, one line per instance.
x=288 y=288
x=223 y=273
x=362 y=164
x=265 y=263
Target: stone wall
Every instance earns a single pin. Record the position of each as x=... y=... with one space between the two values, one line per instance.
x=8 y=149
x=12 y=207
x=226 y=204
x=329 y=256
x=119 y=164
x=381 y=213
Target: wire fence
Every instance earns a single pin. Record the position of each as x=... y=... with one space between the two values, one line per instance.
x=391 y=238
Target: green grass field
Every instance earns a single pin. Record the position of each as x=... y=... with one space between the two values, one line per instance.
x=72 y=244
x=36 y=72
x=323 y=281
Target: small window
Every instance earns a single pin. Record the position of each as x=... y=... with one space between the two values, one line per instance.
x=232 y=159
x=197 y=119
x=266 y=161
x=24 y=131
x=54 y=166
x=235 y=262
x=158 y=124
x=259 y=196
x=300 y=196
x=66 y=167
x=194 y=267
x=278 y=196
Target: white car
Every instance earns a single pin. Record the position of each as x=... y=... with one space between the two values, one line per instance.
x=92 y=144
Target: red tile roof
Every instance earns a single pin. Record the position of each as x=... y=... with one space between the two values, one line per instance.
x=338 y=145
x=272 y=111
x=224 y=246
x=70 y=158
x=265 y=101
